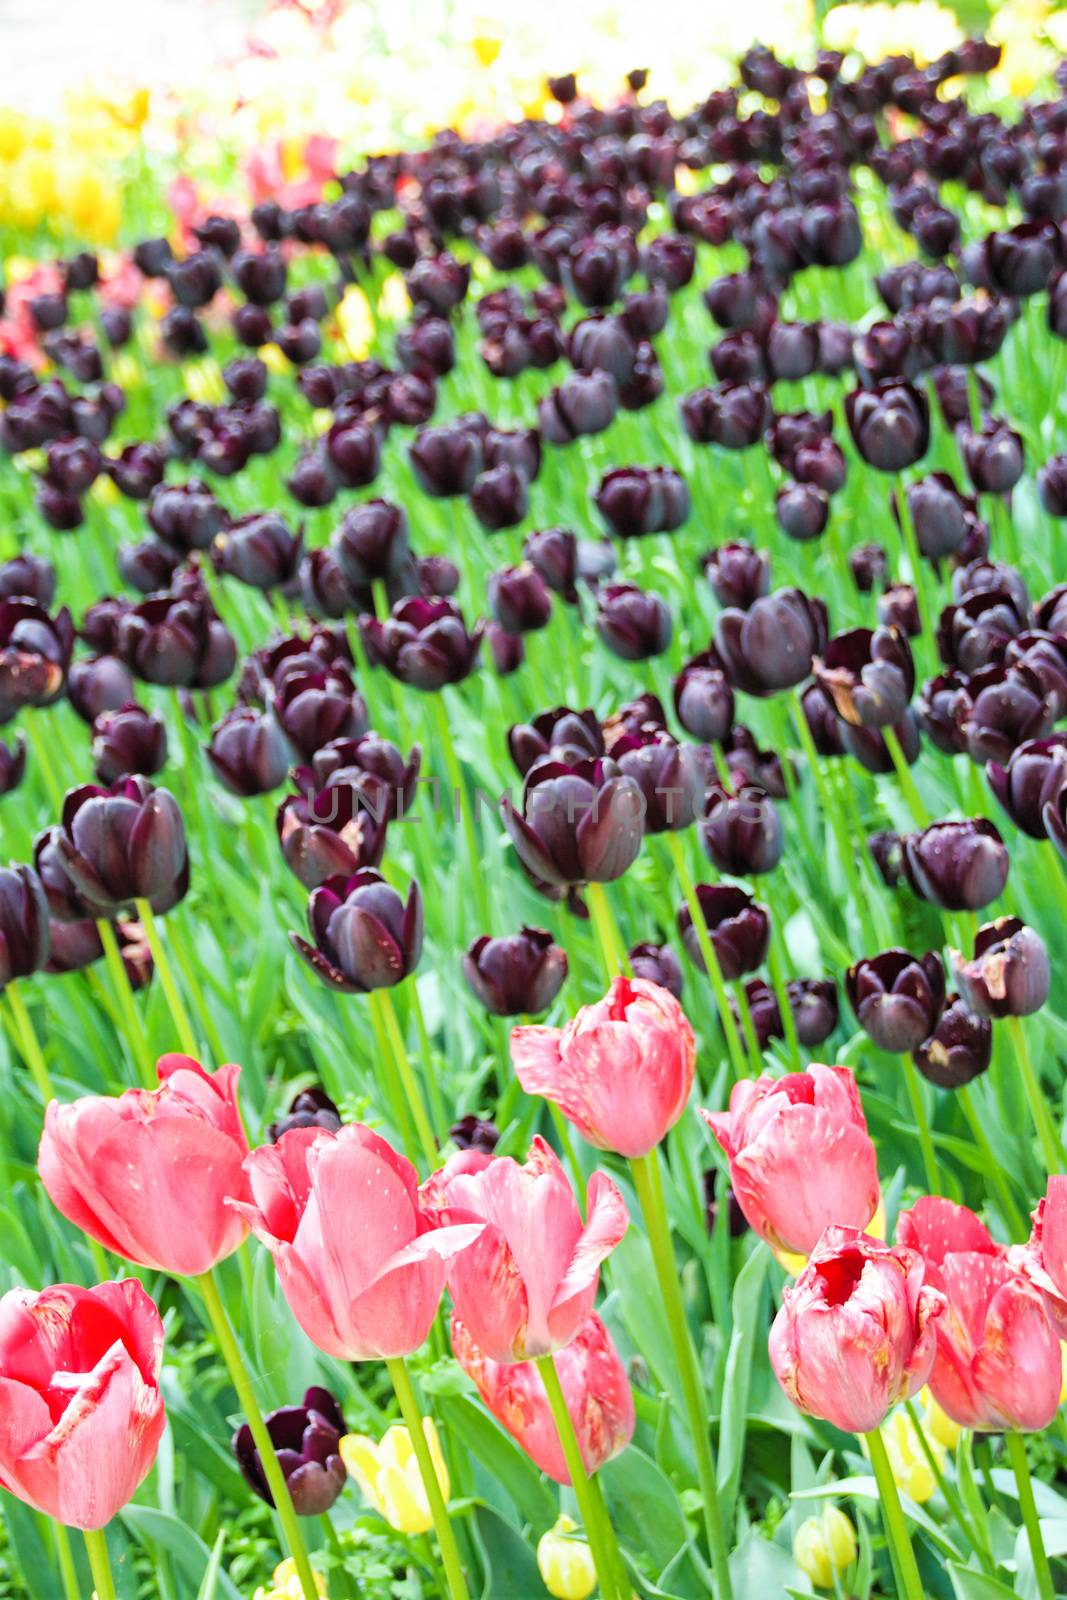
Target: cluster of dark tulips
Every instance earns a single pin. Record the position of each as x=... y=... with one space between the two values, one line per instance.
x=849 y=540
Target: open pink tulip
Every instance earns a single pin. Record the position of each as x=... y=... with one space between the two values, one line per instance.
x=855 y=1333
x=363 y=1263
x=81 y=1414
x=147 y=1173
x=621 y=1070
x=595 y=1387
x=998 y=1355
x=527 y=1284
x=801 y=1159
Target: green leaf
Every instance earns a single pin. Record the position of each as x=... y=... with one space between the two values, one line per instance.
x=508 y=1465
x=758 y=1567
x=747 y=1302
x=864 y=1488
x=190 y=1554
x=970 y=1585
x=644 y=1507
x=209 y=1588
x=510 y=1563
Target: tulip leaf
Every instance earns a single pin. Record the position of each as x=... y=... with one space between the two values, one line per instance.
x=190 y=1554
x=760 y=1567
x=747 y=1303
x=967 y=1584
x=644 y=1507
x=510 y=1563
x=864 y=1488
x=507 y=1465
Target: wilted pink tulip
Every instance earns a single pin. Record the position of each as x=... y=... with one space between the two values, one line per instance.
x=147 y=1173
x=527 y=1284
x=79 y=1395
x=621 y=1070
x=595 y=1386
x=801 y=1159
x=856 y=1332
x=362 y=1262
x=998 y=1355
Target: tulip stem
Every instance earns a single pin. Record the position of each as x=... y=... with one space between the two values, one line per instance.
x=32 y=1053
x=241 y=1379
x=99 y=1563
x=918 y=572
x=408 y=1082
x=711 y=960
x=922 y=1124
x=776 y=964
x=948 y=1493
x=120 y=982
x=1051 y=1147
x=919 y=814
x=178 y=1013
x=65 y=1559
x=901 y=1553
x=598 y=1529
x=1013 y=1217
x=446 y=1539
x=1015 y=1445
x=612 y=950
x=748 y=1028
x=647 y=1182
x=459 y=797
x=401 y=1110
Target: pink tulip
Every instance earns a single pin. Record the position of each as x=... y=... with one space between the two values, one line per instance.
x=595 y=1386
x=855 y=1333
x=147 y=1173
x=363 y=1263
x=801 y=1159
x=527 y=1285
x=81 y=1414
x=998 y=1356
x=621 y=1070
x=1043 y=1259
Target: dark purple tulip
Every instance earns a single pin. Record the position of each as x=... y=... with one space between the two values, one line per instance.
x=959 y=866
x=61 y=511
x=446 y=460
x=1052 y=486
x=885 y=851
x=703 y=698
x=248 y=752
x=993 y=457
x=813 y=1002
x=739 y=358
x=669 y=258
x=869 y=675
x=791 y=350
x=964 y=332
x=639 y=500
x=48 y=311
x=741 y=830
x=868 y=746
x=521 y=973
x=898 y=607
x=72 y=465
x=314 y=707
x=423 y=642
x=889 y=424
x=99 y=624
x=427 y=346
x=246 y=378
x=129 y=740
x=353 y=453
x=137 y=470
x=312 y=481
x=897 y=997
x=802 y=510
x=438 y=282
x=372 y=542
x=830 y=234
x=311 y=1108
x=771 y=645
x=835 y=357
x=959 y=1049
x=81 y=271
x=657 y=963
x=35 y=653
x=568 y=736
x=739 y=928
x=437 y=576
x=645 y=311
x=121 y=844
x=824 y=725
x=12 y=764
x=976 y=631
x=1009 y=975
x=195 y=280
x=1033 y=777
x=330 y=832
x=185 y=516
x=1021 y=260
x=734 y=415
x=252 y=326
x=1008 y=706
x=941 y=516
x=365 y=936
x=305 y=1440
x=953 y=392
x=944 y=705
x=371 y=765
x=323 y=587
x=670 y=776
x=584 y=403
x=581 y=822
x=474 y=1133
x=602 y=344
x=505 y=246
x=147 y=566
x=738 y=301
x=633 y=623
x=176 y=640
x=507 y=651
x=737 y=573
x=519 y=599
x=869 y=566
x=553 y=552
x=887 y=350
x=308 y=304
x=634 y=720
x=596 y=270
x=29 y=576
x=260 y=550
x=299 y=342
x=24 y=924
x=182 y=334
x=499 y=497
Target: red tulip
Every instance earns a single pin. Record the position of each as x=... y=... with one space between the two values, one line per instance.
x=528 y=1283
x=800 y=1156
x=79 y=1396
x=595 y=1386
x=621 y=1070
x=1044 y=1257
x=147 y=1173
x=363 y=1263
x=856 y=1332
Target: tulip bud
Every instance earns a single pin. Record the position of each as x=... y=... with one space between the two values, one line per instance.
x=959 y=1049
x=802 y=511
x=738 y=926
x=581 y=821
x=703 y=698
x=898 y=608
x=868 y=675
x=941 y=516
x=734 y=415
x=311 y=1108
x=584 y=403
x=553 y=552
x=566 y=1564
x=24 y=926
x=741 y=831
x=306 y=1440
x=519 y=974
x=1009 y=975
x=897 y=998
x=128 y=740
x=993 y=456
x=738 y=574
x=633 y=623
x=889 y=424
x=446 y=460
x=639 y=500
x=260 y=550
x=352 y=453
x=869 y=566
x=658 y=964
x=122 y=844
x=825 y=1545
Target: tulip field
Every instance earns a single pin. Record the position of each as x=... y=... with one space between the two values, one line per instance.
x=533 y=792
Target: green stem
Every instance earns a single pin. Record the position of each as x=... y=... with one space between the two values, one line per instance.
x=919 y=814
x=31 y=1049
x=918 y=570
x=440 y=1117
x=711 y=960
x=99 y=1563
x=459 y=797
x=748 y=1028
x=776 y=963
x=922 y=1123
x=446 y=1539
x=1016 y=1448
x=1013 y=1217
x=588 y=1509
x=401 y=1110
x=241 y=1379
x=646 y=1176
x=612 y=950
x=1051 y=1148
x=948 y=1493
x=901 y=1552
x=832 y=813
x=120 y=983
x=178 y=1013
x=344 y=1577
x=405 y=1073
x=65 y=1558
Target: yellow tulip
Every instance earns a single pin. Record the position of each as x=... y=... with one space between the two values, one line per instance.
x=285 y=1584
x=824 y=1545
x=912 y=1472
x=355 y=323
x=940 y=1427
x=486 y=49
x=565 y=1563
x=90 y=200
x=275 y=360
x=14 y=134
x=394 y=303
x=388 y=1475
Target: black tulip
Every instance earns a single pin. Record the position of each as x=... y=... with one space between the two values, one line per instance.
x=305 y=1439
x=897 y=997
x=1035 y=774
x=741 y=831
x=703 y=698
x=633 y=623
x=869 y=675
x=1009 y=974
x=738 y=926
x=657 y=963
x=889 y=424
x=959 y=1049
x=771 y=645
x=959 y=866
x=365 y=936
x=128 y=740
x=248 y=751
x=515 y=975
x=581 y=822
x=24 y=924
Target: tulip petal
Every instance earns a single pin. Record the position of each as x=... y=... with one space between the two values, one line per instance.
x=608 y=1220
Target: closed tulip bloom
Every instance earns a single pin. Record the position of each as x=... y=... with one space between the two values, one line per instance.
x=993 y=456
x=897 y=997
x=424 y=642
x=128 y=740
x=542 y=1261
x=569 y=735
x=889 y=424
x=364 y=1282
x=1008 y=706
x=24 y=925
x=366 y=937
x=372 y=765
x=998 y=1355
x=802 y=510
x=941 y=515
x=553 y=552
x=519 y=599
x=742 y=831
x=306 y=1439
x=581 y=822
x=671 y=777
x=124 y=843
x=959 y=866
x=176 y=640
x=733 y=415
x=639 y=500
x=1052 y=485
x=703 y=698
x=32 y=577
x=658 y=964
x=330 y=832
x=520 y=974
x=12 y=764
x=35 y=651
x=565 y=1562
x=869 y=566
x=800 y=1155
x=898 y=607
x=260 y=550
x=311 y=1108
x=737 y=573
x=621 y=1070
x=372 y=542
x=738 y=926
x=869 y=675
x=185 y=516
x=856 y=1333
x=824 y=1546
x=976 y=631
x=959 y=1049
x=83 y=1413
x=1034 y=775
x=1009 y=975
x=248 y=752
x=389 y=1477
x=771 y=645
x=147 y=1173
x=595 y=1387
x=313 y=707
x=584 y=403
x=633 y=623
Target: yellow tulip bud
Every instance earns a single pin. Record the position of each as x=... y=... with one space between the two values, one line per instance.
x=940 y=1427
x=355 y=322
x=13 y=134
x=275 y=360
x=394 y=303
x=285 y=1584
x=824 y=1545
x=912 y=1472
x=389 y=1477
x=565 y=1563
